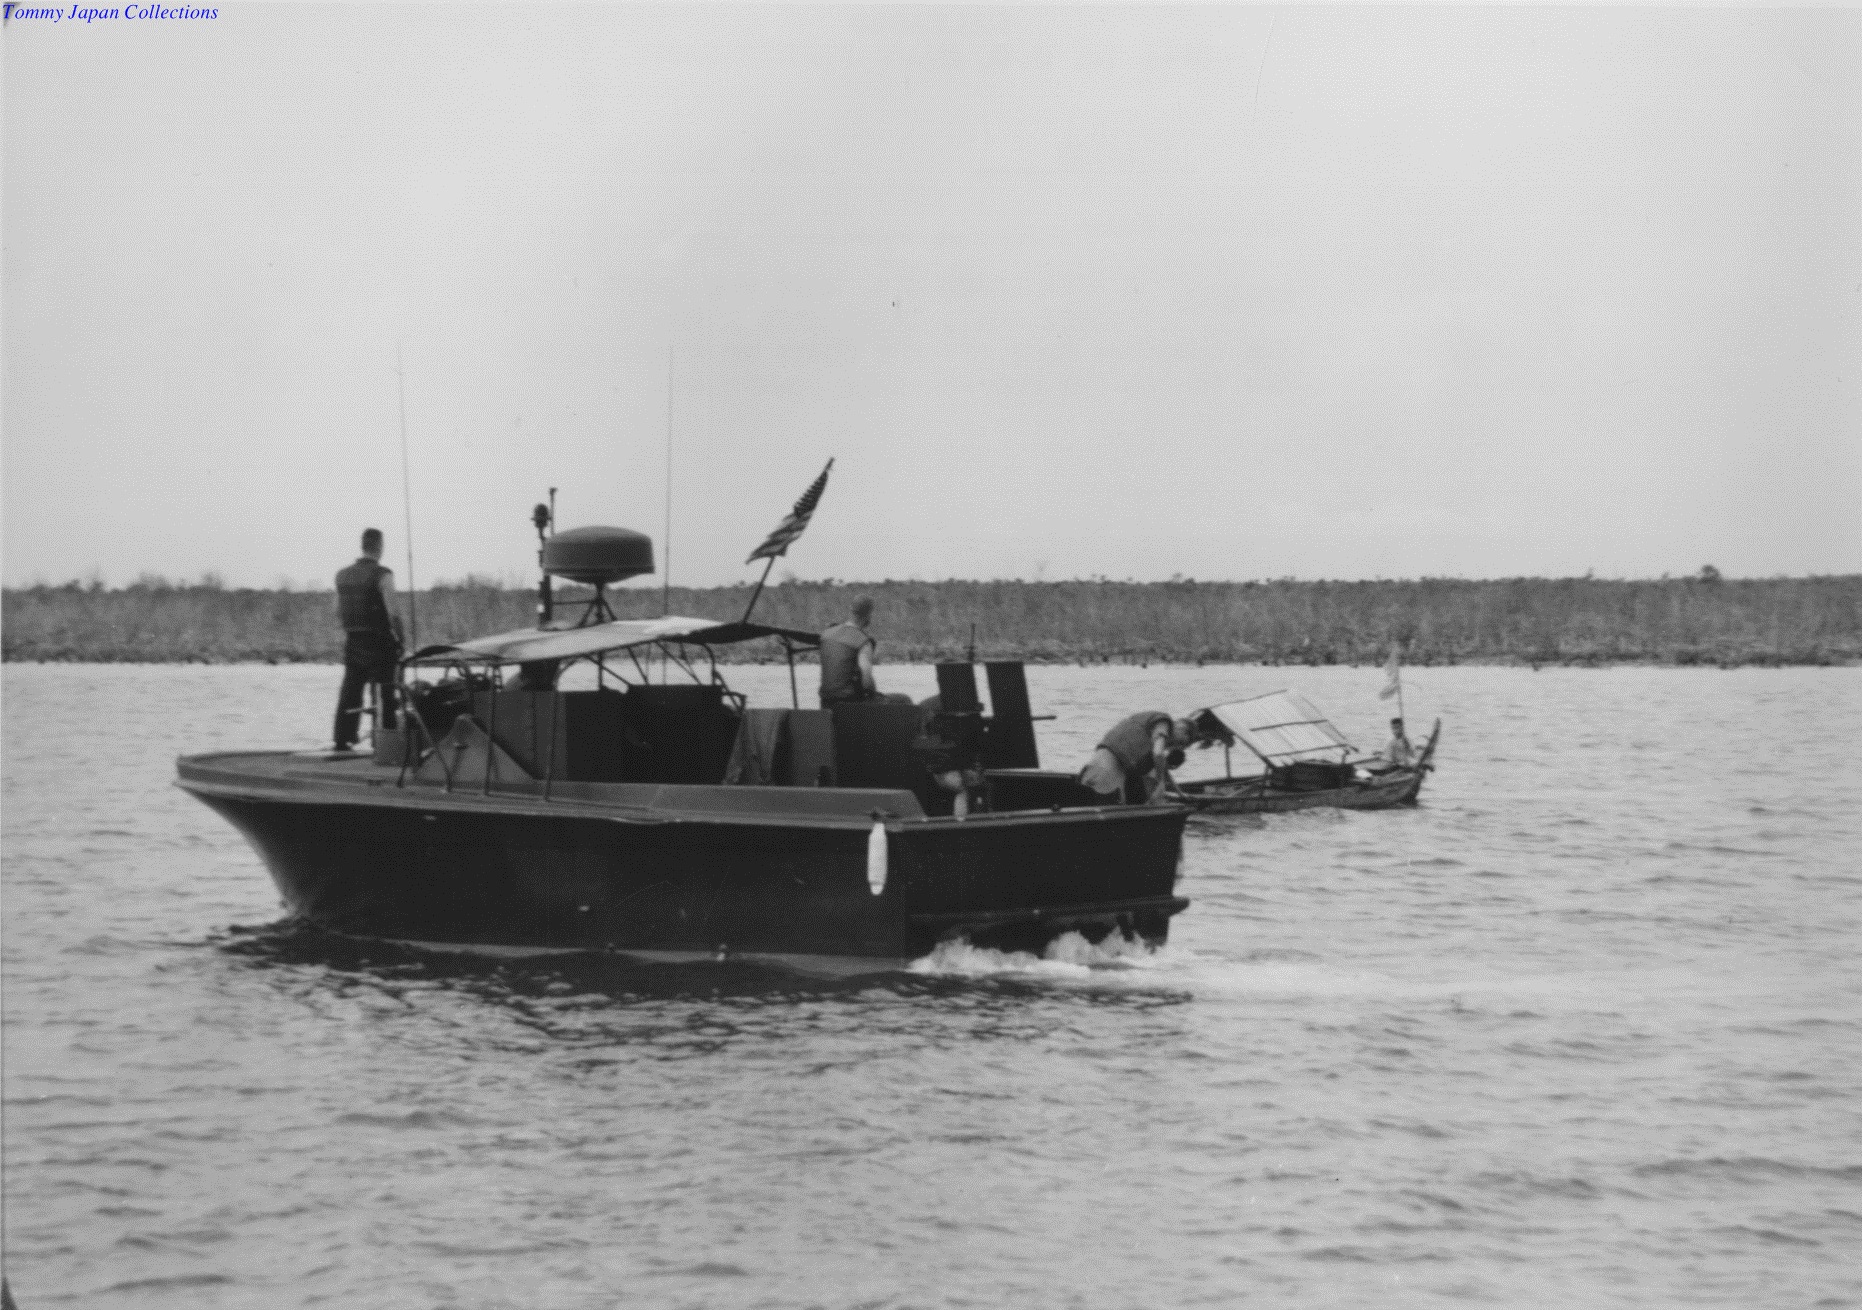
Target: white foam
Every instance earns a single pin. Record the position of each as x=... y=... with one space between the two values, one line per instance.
x=1069 y=957
x=1113 y=951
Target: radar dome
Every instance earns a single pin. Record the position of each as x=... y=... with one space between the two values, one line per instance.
x=598 y=556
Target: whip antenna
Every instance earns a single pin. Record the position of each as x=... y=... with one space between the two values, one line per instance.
x=407 y=506
x=665 y=595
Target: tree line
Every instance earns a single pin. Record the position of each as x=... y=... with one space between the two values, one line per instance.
x=1700 y=619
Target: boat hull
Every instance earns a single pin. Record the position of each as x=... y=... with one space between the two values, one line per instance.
x=1254 y=797
x=660 y=874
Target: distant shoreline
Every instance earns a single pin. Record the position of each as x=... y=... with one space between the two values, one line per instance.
x=1517 y=622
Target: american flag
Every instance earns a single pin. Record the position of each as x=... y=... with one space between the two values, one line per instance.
x=779 y=541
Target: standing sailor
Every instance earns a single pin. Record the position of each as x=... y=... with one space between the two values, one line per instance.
x=1398 y=753
x=372 y=639
x=847 y=662
x=1133 y=761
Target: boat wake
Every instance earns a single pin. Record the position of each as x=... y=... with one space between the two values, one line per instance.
x=1069 y=956
x=1131 y=965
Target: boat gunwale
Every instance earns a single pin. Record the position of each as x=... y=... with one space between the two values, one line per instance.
x=305 y=788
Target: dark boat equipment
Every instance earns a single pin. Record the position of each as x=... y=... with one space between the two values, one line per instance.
x=544 y=517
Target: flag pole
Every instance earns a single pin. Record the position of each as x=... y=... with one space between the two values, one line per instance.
x=759 y=589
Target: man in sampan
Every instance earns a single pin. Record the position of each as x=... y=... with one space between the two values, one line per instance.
x=1133 y=762
x=371 y=639
x=847 y=662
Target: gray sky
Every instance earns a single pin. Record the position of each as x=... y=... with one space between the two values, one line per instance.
x=1230 y=292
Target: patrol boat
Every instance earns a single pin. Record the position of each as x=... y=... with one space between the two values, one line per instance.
x=671 y=821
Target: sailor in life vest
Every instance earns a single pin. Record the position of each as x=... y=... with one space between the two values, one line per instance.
x=847 y=662
x=1133 y=762
x=372 y=639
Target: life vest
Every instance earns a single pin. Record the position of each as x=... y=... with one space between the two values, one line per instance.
x=840 y=663
x=1130 y=740
x=359 y=600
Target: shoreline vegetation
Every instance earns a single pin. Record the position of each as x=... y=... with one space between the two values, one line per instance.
x=1698 y=620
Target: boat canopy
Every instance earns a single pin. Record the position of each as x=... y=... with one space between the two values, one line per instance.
x=1280 y=727
x=527 y=645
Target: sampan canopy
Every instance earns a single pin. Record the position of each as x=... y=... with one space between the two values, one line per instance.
x=1279 y=727
x=527 y=645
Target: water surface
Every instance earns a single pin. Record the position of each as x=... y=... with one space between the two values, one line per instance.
x=1584 y=1029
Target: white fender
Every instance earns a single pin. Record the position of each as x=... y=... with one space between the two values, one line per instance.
x=876 y=859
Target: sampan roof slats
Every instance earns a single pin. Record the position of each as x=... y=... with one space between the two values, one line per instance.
x=1281 y=726
x=526 y=645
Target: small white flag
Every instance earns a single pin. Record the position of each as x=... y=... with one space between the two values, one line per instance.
x=1394 y=685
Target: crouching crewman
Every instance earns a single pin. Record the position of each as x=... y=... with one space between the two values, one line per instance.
x=1133 y=762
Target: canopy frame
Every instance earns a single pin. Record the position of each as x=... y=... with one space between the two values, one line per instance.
x=588 y=641
x=1279 y=727
x=489 y=657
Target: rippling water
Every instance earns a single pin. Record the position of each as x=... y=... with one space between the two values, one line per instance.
x=1583 y=1029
